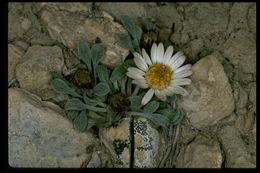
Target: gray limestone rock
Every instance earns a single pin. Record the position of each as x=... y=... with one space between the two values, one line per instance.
x=206 y=18
x=136 y=11
x=40 y=136
x=201 y=153
x=14 y=56
x=235 y=149
x=210 y=96
x=240 y=49
x=24 y=24
x=33 y=72
x=69 y=28
x=240 y=96
x=251 y=17
x=238 y=17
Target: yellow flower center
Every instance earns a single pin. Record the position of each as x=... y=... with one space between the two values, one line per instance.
x=158 y=76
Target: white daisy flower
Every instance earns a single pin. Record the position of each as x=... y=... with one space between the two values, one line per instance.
x=162 y=73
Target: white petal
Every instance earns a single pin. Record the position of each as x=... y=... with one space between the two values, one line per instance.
x=175 y=58
x=168 y=91
x=184 y=68
x=146 y=57
x=148 y=96
x=134 y=75
x=160 y=52
x=154 y=53
x=161 y=95
x=179 y=90
x=135 y=70
x=184 y=81
x=139 y=61
x=141 y=83
x=182 y=74
x=168 y=54
x=178 y=62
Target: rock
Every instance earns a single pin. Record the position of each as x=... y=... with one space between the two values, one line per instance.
x=33 y=73
x=251 y=17
x=235 y=150
x=201 y=17
x=210 y=96
x=70 y=7
x=244 y=78
x=69 y=29
x=95 y=161
x=24 y=24
x=252 y=94
x=240 y=49
x=14 y=56
x=240 y=96
x=188 y=133
x=196 y=46
x=23 y=45
x=35 y=37
x=165 y=16
x=136 y=11
x=17 y=23
x=238 y=17
x=149 y=144
x=254 y=130
x=164 y=35
x=201 y=153
x=117 y=142
x=40 y=136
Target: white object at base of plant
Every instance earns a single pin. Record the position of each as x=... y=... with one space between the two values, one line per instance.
x=161 y=73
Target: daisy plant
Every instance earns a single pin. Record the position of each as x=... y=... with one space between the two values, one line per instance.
x=99 y=97
x=160 y=74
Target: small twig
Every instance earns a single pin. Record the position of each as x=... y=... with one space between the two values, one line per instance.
x=169 y=147
x=11 y=82
x=70 y=71
x=170 y=151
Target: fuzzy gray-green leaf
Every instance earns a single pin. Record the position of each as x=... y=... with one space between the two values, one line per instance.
x=133 y=29
x=62 y=87
x=80 y=122
x=118 y=73
x=75 y=104
x=126 y=41
x=135 y=102
x=103 y=73
x=139 y=33
x=149 y=24
x=85 y=54
x=151 y=107
x=89 y=102
x=97 y=51
x=110 y=115
x=101 y=89
x=72 y=114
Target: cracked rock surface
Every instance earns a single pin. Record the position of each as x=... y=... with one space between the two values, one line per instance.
x=218 y=39
x=40 y=136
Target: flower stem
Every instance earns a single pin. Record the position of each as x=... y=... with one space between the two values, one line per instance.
x=136 y=91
